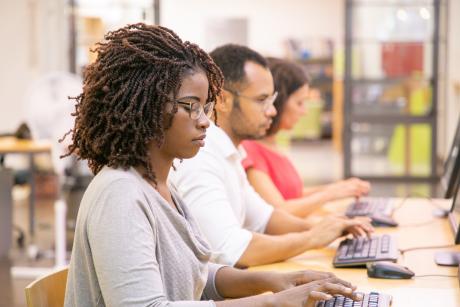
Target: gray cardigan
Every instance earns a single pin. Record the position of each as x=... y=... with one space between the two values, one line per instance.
x=131 y=248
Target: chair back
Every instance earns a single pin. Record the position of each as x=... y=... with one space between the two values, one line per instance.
x=47 y=291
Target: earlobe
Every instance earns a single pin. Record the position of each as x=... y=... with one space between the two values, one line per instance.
x=224 y=103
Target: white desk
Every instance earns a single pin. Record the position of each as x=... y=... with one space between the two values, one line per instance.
x=421 y=291
x=12 y=145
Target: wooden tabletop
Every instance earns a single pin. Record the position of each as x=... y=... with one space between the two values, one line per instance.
x=13 y=145
x=417 y=227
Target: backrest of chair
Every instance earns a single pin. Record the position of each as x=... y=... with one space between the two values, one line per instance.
x=47 y=291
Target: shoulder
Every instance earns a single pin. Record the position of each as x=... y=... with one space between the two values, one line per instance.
x=110 y=180
x=252 y=147
x=114 y=188
x=255 y=155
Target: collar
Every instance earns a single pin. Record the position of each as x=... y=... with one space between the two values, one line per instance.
x=221 y=141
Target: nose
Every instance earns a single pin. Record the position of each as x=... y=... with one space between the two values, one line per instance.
x=271 y=111
x=303 y=109
x=203 y=121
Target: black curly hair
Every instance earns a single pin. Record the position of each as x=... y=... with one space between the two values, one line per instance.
x=122 y=106
x=288 y=78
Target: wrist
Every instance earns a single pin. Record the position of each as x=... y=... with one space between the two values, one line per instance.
x=270 y=300
x=266 y=282
x=311 y=238
x=329 y=195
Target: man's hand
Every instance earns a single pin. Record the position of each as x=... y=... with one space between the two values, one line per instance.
x=359 y=227
x=333 y=227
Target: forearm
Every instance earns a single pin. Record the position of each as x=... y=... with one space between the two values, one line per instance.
x=314 y=189
x=265 y=249
x=302 y=207
x=282 y=222
x=235 y=283
x=253 y=301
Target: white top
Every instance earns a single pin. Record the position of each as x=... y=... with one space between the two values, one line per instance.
x=214 y=186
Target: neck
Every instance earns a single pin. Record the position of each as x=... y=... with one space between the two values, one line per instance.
x=160 y=167
x=269 y=140
x=225 y=125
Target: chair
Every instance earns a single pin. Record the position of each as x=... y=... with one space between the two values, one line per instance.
x=47 y=291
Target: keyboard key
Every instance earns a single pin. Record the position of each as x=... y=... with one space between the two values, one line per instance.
x=359 y=251
x=385 y=244
x=370 y=300
x=370 y=207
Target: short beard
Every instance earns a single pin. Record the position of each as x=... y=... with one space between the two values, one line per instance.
x=235 y=123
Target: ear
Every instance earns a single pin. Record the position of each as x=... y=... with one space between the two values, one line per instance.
x=224 y=102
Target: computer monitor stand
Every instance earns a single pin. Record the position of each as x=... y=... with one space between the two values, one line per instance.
x=447 y=258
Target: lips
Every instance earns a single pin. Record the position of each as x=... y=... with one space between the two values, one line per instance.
x=200 y=138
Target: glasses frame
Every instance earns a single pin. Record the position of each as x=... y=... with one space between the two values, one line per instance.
x=266 y=103
x=201 y=108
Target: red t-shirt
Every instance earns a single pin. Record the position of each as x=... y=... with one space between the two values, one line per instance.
x=277 y=166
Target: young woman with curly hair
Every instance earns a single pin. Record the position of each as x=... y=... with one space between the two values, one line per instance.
x=147 y=101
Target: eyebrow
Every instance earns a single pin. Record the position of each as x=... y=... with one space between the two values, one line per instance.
x=262 y=96
x=189 y=97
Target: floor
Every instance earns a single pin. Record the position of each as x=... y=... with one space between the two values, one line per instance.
x=317 y=162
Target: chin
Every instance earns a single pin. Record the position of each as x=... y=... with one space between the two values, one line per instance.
x=188 y=154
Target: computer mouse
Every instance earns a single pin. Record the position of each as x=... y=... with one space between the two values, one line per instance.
x=383 y=220
x=388 y=270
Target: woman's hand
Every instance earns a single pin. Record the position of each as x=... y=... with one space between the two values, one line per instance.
x=284 y=281
x=351 y=187
x=308 y=294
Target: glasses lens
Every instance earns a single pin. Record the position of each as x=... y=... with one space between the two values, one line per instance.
x=275 y=94
x=270 y=100
x=208 y=108
x=195 y=110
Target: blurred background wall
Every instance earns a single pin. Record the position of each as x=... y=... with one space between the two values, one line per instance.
x=35 y=39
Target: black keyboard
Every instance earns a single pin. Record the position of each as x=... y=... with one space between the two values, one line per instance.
x=359 y=251
x=370 y=207
x=372 y=299
x=379 y=210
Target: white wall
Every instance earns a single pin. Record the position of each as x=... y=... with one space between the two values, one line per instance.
x=33 y=44
x=270 y=21
x=33 y=36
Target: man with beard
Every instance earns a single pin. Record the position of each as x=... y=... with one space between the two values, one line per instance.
x=242 y=229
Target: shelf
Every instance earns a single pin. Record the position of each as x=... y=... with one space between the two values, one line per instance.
x=392 y=119
x=368 y=41
x=386 y=43
x=388 y=3
x=384 y=80
x=323 y=61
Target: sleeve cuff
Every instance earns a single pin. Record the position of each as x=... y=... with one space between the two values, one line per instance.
x=236 y=244
x=210 y=291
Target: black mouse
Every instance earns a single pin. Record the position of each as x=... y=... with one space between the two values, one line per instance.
x=382 y=220
x=388 y=270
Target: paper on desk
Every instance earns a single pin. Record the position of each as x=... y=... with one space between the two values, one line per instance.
x=426 y=297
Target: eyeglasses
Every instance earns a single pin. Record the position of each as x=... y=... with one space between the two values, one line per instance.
x=195 y=109
x=266 y=102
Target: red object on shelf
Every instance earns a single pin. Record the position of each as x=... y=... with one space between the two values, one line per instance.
x=402 y=59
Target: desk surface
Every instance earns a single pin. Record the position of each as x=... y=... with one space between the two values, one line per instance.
x=417 y=228
x=13 y=145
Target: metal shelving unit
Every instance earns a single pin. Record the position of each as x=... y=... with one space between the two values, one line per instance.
x=392 y=55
